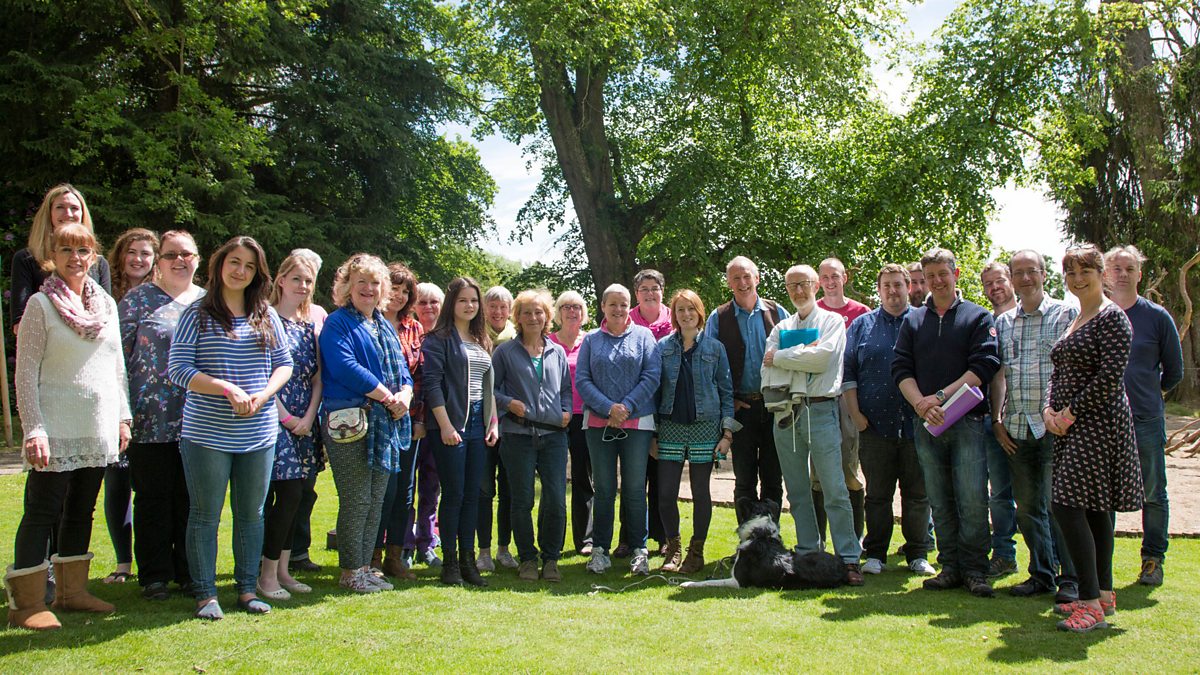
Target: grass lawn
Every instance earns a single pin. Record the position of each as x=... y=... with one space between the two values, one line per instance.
x=890 y=625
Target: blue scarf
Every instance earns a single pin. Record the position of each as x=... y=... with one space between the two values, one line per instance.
x=387 y=438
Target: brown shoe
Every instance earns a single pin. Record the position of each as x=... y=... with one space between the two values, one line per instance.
x=672 y=555
x=550 y=571
x=26 y=598
x=377 y=559
x=527 y=570
x=854 y=575
x=393 y=566
x=694 y=561
x=70 y=590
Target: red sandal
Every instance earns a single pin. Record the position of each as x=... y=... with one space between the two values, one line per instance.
x=1083 y=619
x=1109 y=607
x=1068 y=608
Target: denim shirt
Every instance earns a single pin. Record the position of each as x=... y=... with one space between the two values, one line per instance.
x=710 y=374
x=870 y=346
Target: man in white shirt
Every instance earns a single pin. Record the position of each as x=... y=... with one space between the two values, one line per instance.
x=806 y=421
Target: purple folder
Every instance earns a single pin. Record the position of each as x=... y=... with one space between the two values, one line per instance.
x=960 y=403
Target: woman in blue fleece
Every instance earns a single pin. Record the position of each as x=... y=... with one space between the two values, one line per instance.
x=617 y=378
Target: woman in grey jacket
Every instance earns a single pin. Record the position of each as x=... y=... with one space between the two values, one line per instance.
x=533 y=389
x=695 y=423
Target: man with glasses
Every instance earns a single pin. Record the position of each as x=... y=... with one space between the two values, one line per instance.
x=943 y=346
x=805 y=351
x=997 y=286
x=1018 y=395
x=742 y=325
x=1155 y=366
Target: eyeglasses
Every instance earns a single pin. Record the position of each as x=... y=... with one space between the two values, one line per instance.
x=650 y=289
x=619 y=436
x=798 y=284
x=175 y=255
x=81 y=251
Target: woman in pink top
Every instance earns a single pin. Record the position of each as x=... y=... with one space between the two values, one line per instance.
x=569 y=312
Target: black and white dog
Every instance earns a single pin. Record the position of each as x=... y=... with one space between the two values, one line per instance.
x=762 y=561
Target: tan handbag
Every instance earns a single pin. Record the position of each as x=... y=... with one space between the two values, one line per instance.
x=347 y=425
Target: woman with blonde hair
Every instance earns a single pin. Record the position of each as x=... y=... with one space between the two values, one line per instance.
x=570 y=313
x=367 y=391
x=62 y=205
x=71 y=393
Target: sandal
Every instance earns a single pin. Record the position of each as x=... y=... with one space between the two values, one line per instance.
x=1084 y=619
x=1109 y=607
x=210 y=611
x=118 y=577
x=1068 y=608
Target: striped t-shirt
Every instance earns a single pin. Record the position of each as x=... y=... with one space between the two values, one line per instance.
x=209 y=420
x=478 y=363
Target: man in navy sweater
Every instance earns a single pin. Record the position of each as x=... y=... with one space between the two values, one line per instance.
x=1155 y=366
x=942 y=346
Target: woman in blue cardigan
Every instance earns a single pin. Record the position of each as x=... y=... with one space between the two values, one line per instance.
x=363 y=373
x=460 y=413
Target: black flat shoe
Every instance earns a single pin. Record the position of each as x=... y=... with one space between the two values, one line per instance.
x=157 y=590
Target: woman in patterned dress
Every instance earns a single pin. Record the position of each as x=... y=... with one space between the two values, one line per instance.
x=297 y=453
x=149 y=314
x=1096 y=468
x=695 y=418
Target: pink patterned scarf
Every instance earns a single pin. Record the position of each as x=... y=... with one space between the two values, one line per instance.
x=86 y=314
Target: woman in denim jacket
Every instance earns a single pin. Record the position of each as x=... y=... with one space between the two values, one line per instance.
x=695 y=423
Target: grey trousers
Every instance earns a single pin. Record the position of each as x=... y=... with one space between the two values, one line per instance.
x=360 y=501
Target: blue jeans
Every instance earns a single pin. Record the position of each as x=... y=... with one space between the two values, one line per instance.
x=460 y=468
x=633 y=452
x=1156 y=512
x=955 y=469
x=1032 y=467
x=1001 y=504
x=816 y=432
x=547 y=456
x=247 y=475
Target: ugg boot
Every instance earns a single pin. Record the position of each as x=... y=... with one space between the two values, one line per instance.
x=450 y=574
x=377 y=559
x=26 y=604
x=393 y=565
x=71 y=592
x=694 y=562
x=470 y=573
x=672 y=555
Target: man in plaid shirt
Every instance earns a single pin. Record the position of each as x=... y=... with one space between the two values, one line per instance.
x=1026 y=334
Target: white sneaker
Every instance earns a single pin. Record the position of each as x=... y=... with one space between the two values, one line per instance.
x=358 y=583
x=506 y=559
x=873 y=566
x=599 y=562
x=640 y=563
x=378 y=582
x=484 y=562
x=921 y=566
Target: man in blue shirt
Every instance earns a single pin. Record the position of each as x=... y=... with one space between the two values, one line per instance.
x=885 y=425
x=742 y=325
x=943 y=346
x=1155 y=366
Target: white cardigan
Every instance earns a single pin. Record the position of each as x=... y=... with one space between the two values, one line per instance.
x=71 y=391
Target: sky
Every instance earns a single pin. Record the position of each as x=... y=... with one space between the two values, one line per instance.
x=1024 y=217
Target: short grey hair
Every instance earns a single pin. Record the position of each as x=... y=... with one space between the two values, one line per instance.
x=1129 y=250
x=806 y=270
x=742 y=261
x=428 y=290
x=645 y=274
x=615 y=288
x=498 y=294
x=570 y=298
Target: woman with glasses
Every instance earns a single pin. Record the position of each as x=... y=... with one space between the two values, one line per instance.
x=71 y=392
x=617 y=377
x=149 y=315
x=570 y=312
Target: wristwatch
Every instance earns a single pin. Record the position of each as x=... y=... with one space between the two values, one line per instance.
x=941 y=395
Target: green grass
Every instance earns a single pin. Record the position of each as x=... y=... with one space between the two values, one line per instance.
x=889 y=625
x=1183 y=408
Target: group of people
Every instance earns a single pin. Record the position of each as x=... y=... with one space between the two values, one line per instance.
x=408 y=391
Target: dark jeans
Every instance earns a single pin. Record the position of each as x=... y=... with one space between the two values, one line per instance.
x=398 y=501
x=547 y=456
x=62 y=499
x=670 y=474
x=630 y=454
x=754 y=456
x=279 y=515
x=1001 y=506
x=495 y=482
x=1031 y=468
x=886 y=462
x=1156 y=511
x=160 y=512
x=302 y=529
x=955 y=469
x=581 y=484
x=1089 y=537
x=118 y=511
x=460 y=468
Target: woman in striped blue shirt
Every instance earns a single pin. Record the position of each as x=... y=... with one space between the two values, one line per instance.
x=230 y=352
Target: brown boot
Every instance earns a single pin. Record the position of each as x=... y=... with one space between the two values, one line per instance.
x=377 y=559
x=70 y=591
x=672 y=555
x=26 y=598
x=694 y=562
x=394 y=567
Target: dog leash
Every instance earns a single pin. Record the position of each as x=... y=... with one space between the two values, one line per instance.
x=671 y=581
